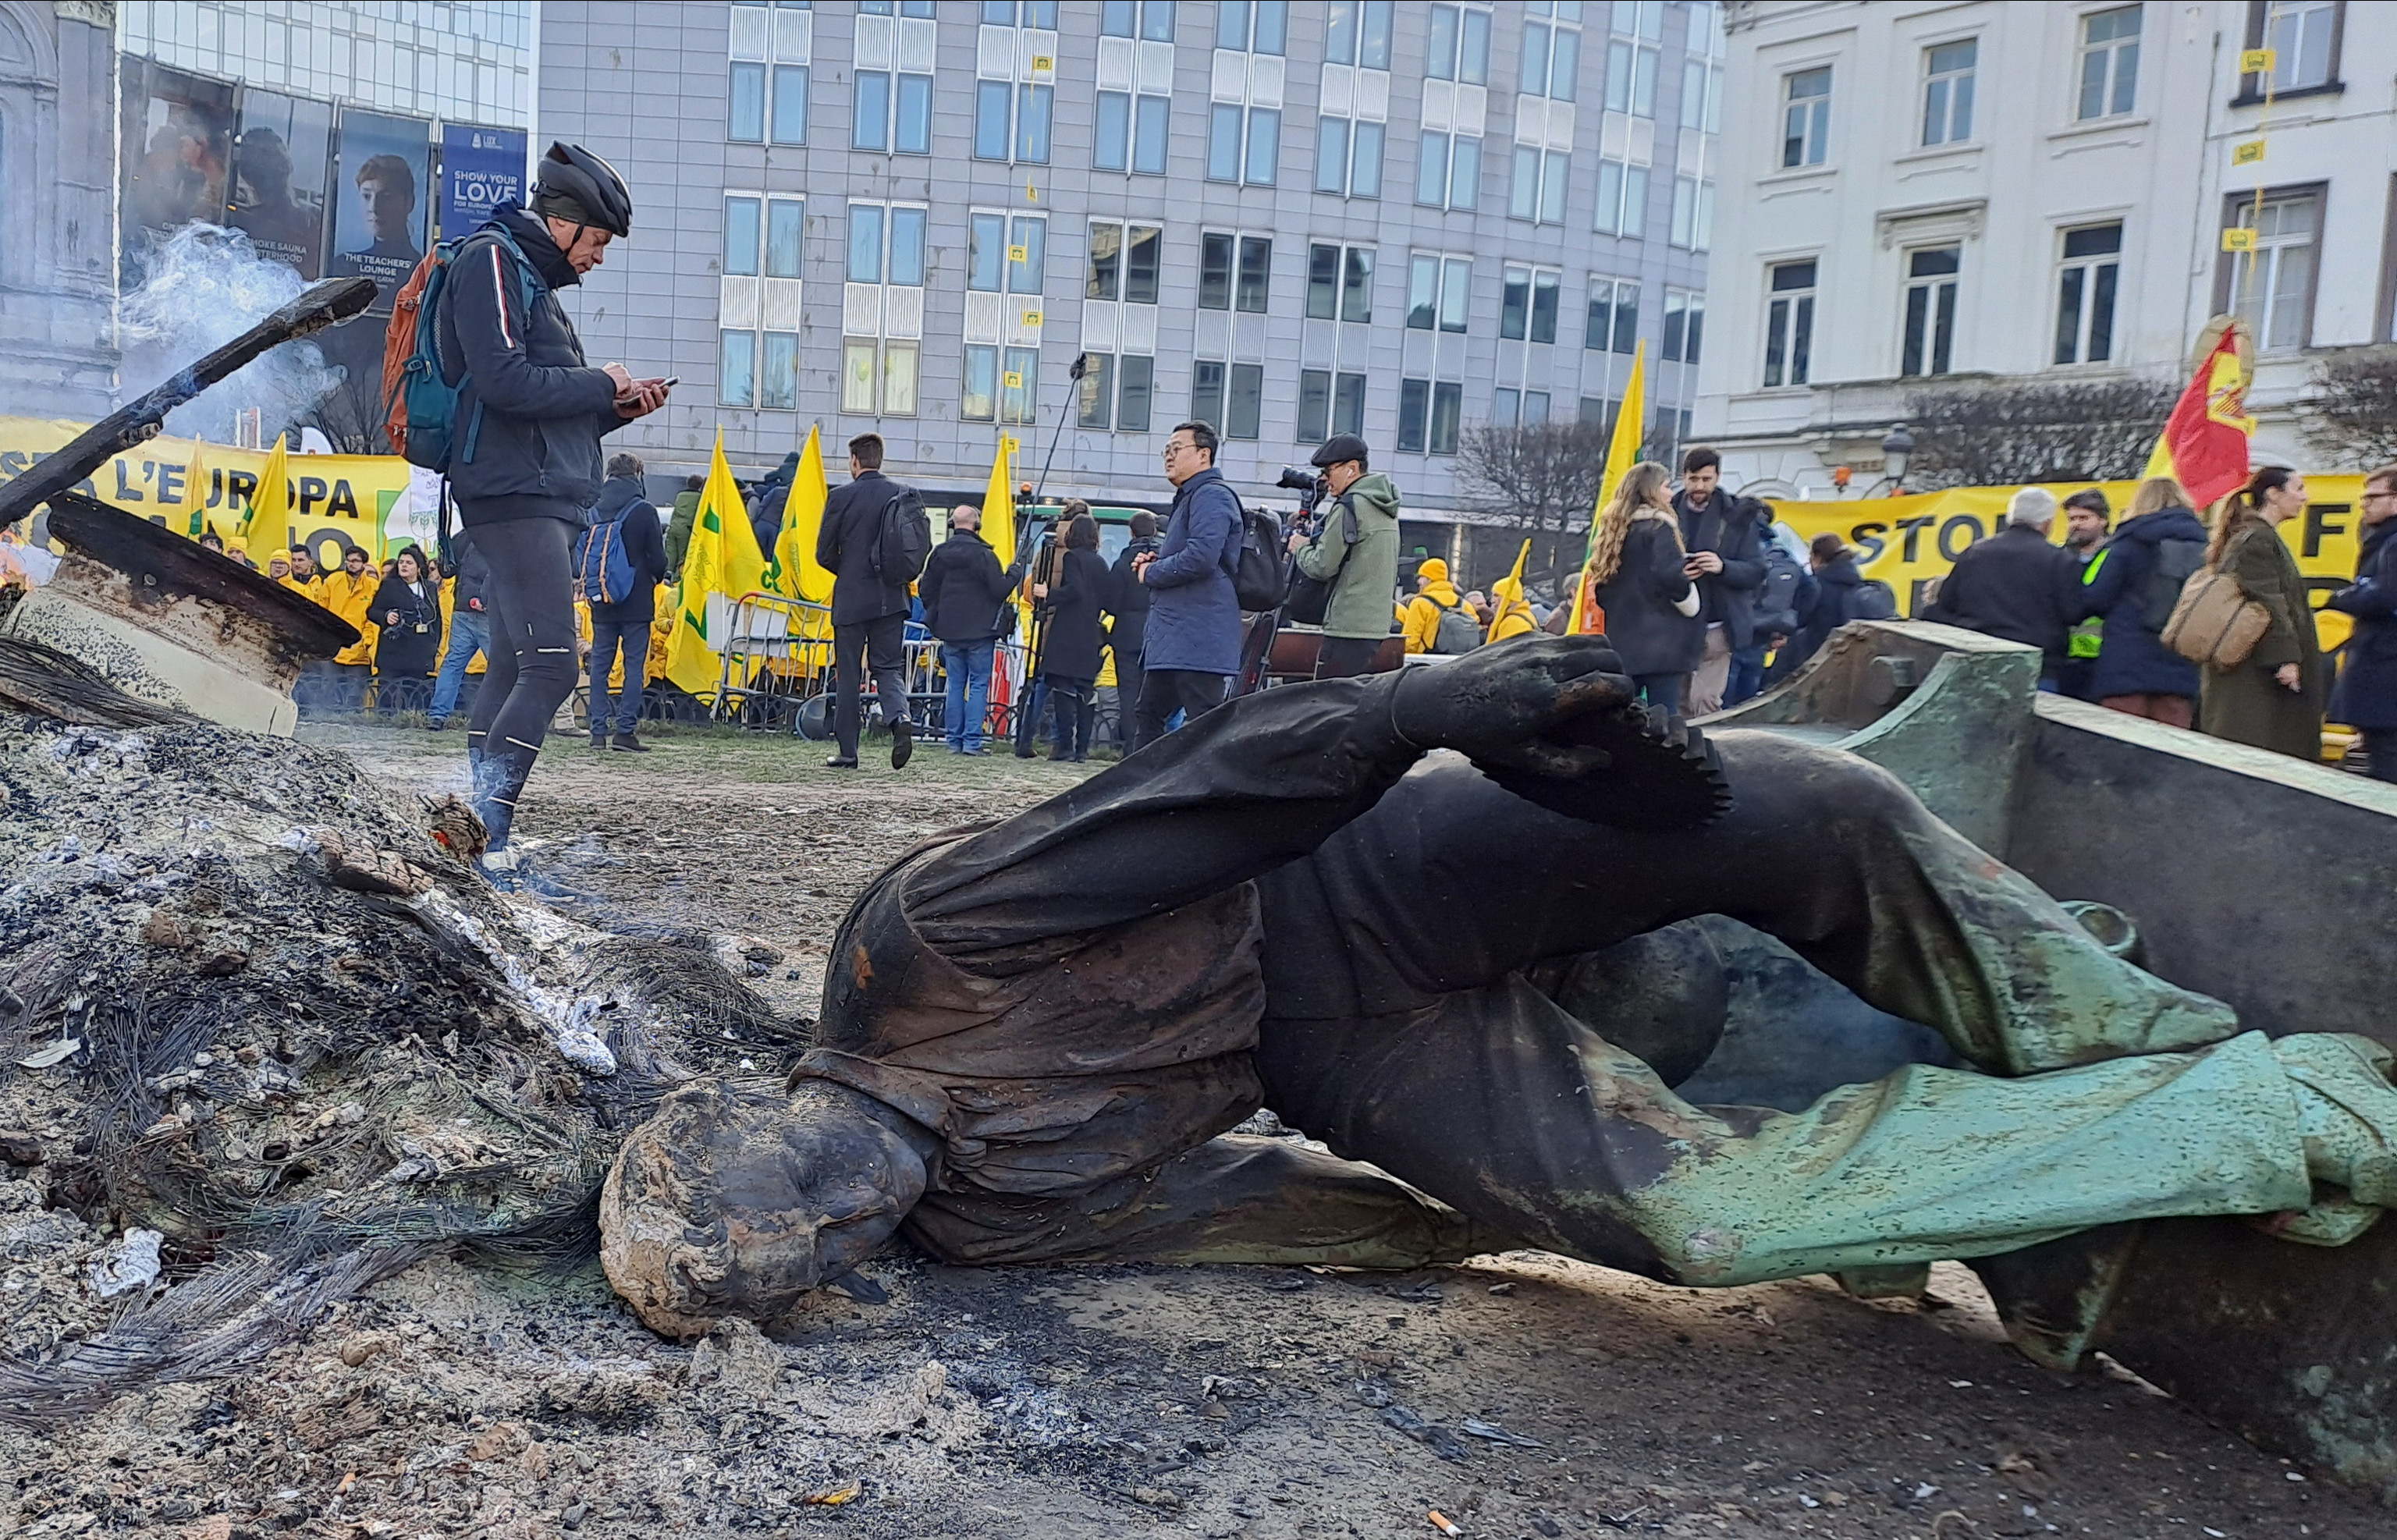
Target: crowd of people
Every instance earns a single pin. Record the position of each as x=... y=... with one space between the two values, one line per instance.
x=2100 y=605
x=562 y=570
x=1707 y=598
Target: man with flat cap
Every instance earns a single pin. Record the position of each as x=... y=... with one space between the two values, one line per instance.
x=1355 y=548
x=1034 y=1034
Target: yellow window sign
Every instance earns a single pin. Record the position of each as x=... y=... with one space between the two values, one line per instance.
x=1019 y=254
x=2258 y=61
x=1042 y=61
x=2247 y=153
x=1014 y=380
x=2239 y=238
x=1032 y=318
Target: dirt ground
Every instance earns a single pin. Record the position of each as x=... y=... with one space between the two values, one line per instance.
x=1523 y=1397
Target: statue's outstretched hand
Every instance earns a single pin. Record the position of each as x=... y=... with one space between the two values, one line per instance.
x=1508 y=705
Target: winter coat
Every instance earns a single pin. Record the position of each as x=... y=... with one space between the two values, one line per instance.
x=351 y=599
x=1830 y=605
x=964 y=590
x=408 y=647
x=1194 y=616
x=2131 y=659
x=1648 y=633
x=530 y=412
x=1070 y=637
x=1514 y=619
x=766 y=502
x=2366 y=696
x=1729 y=526
x=2014 y=586
x=1363 y=575
x=645 y=547
x=1128 y=602
x=2246 y=704
x=1422 y=613
x=685 y=514
x=852 y=526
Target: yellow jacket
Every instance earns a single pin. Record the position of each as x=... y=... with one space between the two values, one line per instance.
x=660 y=634
x=307 y=588
x=1514 y=620
x=1422 y=613
x=348 y=597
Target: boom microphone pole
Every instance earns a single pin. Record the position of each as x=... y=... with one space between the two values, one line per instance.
x=1081 y=366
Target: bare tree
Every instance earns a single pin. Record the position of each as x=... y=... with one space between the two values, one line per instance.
x=2352 y=416
x=2007 y=435
x=1542 y=479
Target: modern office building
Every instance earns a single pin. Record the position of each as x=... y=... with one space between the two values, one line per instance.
x=1288 y=218
x=1920 y=194
x=341 y=138
x=462 y=60
x=58 y=155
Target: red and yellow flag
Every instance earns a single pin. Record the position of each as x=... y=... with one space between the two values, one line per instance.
x=2205 y=442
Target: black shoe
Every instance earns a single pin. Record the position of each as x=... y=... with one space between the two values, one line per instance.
x=599 y=744
x=902 y=743
x=626 y=743
x=841 y=762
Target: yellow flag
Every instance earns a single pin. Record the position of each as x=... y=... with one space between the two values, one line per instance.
x=1513 y=581
x=794 y=572
x=270 y=504
x=722 y=559
x=1622 y=453
x=196 y=490
x=998 y=501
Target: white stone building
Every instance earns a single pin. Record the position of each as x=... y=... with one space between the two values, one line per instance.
x=1916 y=190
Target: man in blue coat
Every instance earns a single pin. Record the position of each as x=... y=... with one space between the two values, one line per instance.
x=1192 y=648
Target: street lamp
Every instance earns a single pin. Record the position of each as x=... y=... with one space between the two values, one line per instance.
x=1896 y=450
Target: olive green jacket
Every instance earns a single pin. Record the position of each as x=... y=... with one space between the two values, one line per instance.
x=1365 y=576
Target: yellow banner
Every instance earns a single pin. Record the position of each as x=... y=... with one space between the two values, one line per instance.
x=334 y=500
x=1908 y=542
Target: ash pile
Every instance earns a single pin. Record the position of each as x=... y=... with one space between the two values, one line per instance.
x=265 y=1038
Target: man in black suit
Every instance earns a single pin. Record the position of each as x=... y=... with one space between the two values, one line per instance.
x=869 y=614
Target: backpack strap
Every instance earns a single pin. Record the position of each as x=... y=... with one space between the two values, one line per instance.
x=530 y=288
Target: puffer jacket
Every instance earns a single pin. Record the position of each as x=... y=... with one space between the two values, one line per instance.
x=531 y=411
x=1364 y=574
x=2132 y=659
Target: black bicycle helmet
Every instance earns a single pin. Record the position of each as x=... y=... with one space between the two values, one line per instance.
x=575 y=184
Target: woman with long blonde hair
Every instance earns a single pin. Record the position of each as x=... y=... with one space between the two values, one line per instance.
x=2275 y=698
x=1635 y=579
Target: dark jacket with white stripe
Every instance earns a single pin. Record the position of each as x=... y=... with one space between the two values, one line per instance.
x=530 y=412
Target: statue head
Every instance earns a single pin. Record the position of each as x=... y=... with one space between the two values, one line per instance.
x=739 y=1202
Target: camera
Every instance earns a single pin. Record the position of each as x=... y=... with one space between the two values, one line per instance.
x=1307 y=483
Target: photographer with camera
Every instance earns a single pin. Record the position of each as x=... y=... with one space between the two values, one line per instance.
x=1351 y=558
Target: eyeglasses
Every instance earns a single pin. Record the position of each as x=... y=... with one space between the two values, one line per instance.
x=1172 y=450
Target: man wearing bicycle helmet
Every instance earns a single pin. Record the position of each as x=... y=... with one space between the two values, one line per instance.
x=530 y=415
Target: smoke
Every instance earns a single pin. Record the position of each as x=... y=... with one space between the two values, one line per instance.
x=207 y=286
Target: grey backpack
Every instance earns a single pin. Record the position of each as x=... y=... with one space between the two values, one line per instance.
x=1458 y=632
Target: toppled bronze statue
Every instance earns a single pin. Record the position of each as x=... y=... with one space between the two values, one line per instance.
x=1035 y=1035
